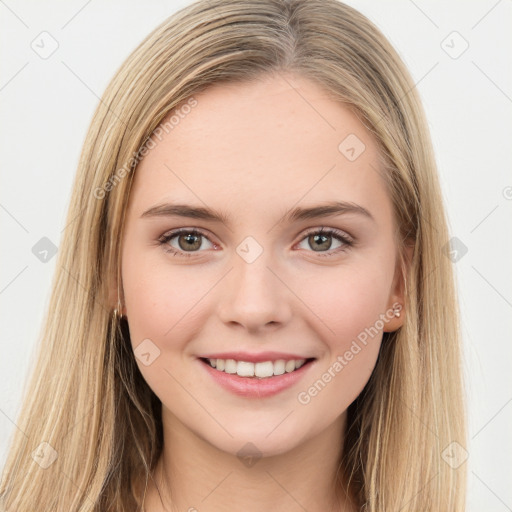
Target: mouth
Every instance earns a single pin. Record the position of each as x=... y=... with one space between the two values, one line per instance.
x=256 y=370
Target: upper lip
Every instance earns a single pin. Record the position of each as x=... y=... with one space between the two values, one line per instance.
x=254 y=358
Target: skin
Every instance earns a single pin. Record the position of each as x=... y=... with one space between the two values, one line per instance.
x=254 y=151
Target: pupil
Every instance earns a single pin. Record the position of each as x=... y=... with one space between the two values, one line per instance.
x=190 y=242
x=317 y=238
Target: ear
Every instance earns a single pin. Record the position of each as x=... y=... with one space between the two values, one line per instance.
x=397 y=296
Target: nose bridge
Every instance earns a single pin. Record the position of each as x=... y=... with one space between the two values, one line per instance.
x=253 y=296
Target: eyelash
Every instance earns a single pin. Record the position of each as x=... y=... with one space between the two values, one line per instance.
x=338 y=235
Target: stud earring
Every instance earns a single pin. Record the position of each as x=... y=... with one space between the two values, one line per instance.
x=117 y=314
x=397 y=310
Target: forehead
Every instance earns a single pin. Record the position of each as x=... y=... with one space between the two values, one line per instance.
x=281 y=140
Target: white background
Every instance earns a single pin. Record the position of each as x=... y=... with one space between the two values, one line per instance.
x=47 y=104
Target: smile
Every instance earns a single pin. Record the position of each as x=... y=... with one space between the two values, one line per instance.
x=261 y=370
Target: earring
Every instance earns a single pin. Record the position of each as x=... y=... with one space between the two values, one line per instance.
x=117 y=314
x=397 y=310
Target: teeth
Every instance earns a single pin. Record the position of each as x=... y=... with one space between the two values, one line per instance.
x=261 y=370
x=279 y=367
x=230 y=366
x=245 y=369
x=289 y=366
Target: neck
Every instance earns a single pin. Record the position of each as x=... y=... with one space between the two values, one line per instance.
x=194 y=475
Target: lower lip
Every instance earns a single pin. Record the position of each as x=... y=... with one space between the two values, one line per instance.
x=253 y=387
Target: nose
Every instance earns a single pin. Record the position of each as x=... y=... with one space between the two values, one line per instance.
x=254 y=296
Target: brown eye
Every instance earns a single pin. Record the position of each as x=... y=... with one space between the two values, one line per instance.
x=321 y=241
x=188 y=241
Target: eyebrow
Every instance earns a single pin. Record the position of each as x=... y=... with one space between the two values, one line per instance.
x=329 y=209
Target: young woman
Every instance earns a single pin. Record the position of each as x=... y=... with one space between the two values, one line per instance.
x=252 y=309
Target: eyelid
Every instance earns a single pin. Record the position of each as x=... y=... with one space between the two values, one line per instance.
x=328 y=230
x=169 y=235
x=187 y=230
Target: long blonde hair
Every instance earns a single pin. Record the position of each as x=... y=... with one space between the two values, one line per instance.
x=86 y=402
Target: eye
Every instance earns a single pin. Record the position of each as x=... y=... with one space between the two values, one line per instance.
x=188 y=240
x=321 y=241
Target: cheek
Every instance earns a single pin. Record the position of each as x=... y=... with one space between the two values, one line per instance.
x=157 y=297
x=165 y=306
x=348 y=305
x=346 y=301
x=160 y=307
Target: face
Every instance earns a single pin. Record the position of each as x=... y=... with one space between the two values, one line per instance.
x=262 y=283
